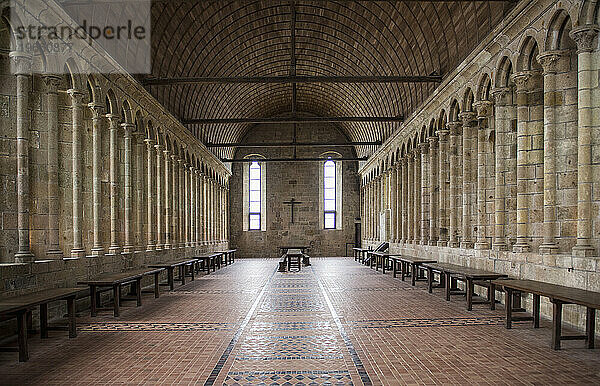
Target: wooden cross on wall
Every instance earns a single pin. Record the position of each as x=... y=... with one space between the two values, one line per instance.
x=292 y=203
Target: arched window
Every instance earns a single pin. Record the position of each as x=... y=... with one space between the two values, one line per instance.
x=329 y=194
x=254 y=194
x=254 y=197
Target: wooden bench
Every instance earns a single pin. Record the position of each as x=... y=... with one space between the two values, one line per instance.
x=359 y=254
x=181 y=265
x=294 y=259
x=449 y=273
x=381 y=259
x=209 y=260
x=115 y=281
x=558 y=296
x=228 y=256
x=20 y=307
x=404 y=262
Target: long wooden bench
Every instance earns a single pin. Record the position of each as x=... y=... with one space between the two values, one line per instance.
x=20 y=306
x=359 y=254
x=404 y=262
x=382 y=259
x=209 y=260
x=170 y=266
x=228 y=256
x=449 y=273
x=115 y=281
x=558 y=296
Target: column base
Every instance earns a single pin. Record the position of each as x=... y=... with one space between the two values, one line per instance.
x=467 y=245
x=149 y=247
x=482 y=245
x=158 y=247
x=424 y=242
x=128 y=249
x=167 y=246
x=521 y=247
x=114 y=250
x=583 y=251
x=499 y=246
x=548 y=248
x=24 y=257
x=433 y=243
x=77 y=253
x=442 y=243
x=54 y=254
x=454 y=244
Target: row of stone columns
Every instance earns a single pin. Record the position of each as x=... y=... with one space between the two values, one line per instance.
x=433 y=180
x=184 y=207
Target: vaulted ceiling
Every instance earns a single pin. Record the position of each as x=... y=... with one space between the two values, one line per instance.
x=332 y=38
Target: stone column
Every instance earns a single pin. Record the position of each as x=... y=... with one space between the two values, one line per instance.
x=77 y=175
x=393 y=204
x=398 y=216
x=186 y=207
x=176 y=239
x=128 y=210
x=54 y=251
x=585 y=36
x=205 y=208
x=433 y=190
x=424 y=147
x=159 y=201
x=484 y=109
x=198 y=211
x=168 y=200
x=468 y=120
x=97 y=248
x=114 y=247
x=411 y=197
x=502 y=126
x=405 y=197
x=443 y=195
x=182 y=238
x=455 y=129
x=192 y=207
x=139 y=189
x=150 y=195
x=22 y=67
x=417 y=189
x=521 y=80
x=548 y=60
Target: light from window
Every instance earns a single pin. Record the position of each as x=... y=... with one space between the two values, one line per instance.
x=329 y=194
x=254 y=196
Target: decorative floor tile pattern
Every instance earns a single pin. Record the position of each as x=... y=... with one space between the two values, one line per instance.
x=335 y=323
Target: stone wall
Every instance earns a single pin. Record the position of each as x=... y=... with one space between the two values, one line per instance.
x=513 y=135
x=299 y=180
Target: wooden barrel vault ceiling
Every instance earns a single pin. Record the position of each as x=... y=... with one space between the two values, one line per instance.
x=250 y=38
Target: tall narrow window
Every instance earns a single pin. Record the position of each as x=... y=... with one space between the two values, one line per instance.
x=329 y=194
x=254 y=198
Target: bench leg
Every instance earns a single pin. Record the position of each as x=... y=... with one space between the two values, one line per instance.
x=193 y=268
x=403 y=270
x=30 y=329
x=395 y=268
x=182 y=274
x=94 y=300
x=469 y=285
x=590 y=326
x=556 y=323
x=44 y=320
x=116 y=299
x=156 y=285
x=429 y=280
x=22 y=331
x=492 y=296
x=170 y=278
x=448 y=283
x=508 y=305
x=72 y=319
x=383 y=263
x=138 y=290
x=413 y=274
x=536 y=311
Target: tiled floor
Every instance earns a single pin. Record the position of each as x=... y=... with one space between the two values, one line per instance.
x=334 y=323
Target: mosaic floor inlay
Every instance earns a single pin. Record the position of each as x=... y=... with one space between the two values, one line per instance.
x=335 y=323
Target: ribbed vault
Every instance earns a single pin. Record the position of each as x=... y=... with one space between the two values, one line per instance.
x=252 y=38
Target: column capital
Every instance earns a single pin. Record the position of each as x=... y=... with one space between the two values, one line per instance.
x=468 y=118
x=175 y=158
x=549 y=59
x=416 y=152
x=21 y=62
x=96 y=110
x=484 y=109
x=396 y=165
x=432 y=141
x=76 y=96
x=149 y=143
x=167 y=154
x=500 y=95
x=127 y=125
x=521 y=80
x=113 y=119
x=424 y=147
x=52 y=81
x=454 y=127
x=443 y=134
x=159 y=147
x=584 y=37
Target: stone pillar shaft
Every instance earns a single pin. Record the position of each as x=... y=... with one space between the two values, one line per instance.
x=159 y=199
x=139 y=190
x=114 y=184
x=468 y=123
x=502 y=127
x=393 y=202
x=454 y=173
x=417 y=193
x=150 y=195
x=425 y=195
x=411 y=198
x=405 y=198
x=128 y=210
x=398 y=215
x=77 y=177
x=168 y=199
x=433 y=190
x=175 y=198
x=443 y=191
x=484 y=111
x=54 y=251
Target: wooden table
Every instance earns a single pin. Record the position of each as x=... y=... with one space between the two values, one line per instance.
x=405 y=261
x=294 y=257
x=115 y=281
x=283 y=250
x=558 y=296
x=170 y=267
x=467 y=275
x=19 y=306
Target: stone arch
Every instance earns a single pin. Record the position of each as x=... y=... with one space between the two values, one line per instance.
x=76 y=81
x=526 y=60
x=559 y=27
x=484 y=87
x=589 y=13
x=112 y=106
x=468 y=99
x=432 y=127
x=126 y=112
x=139 y=122
x=442 y=120
x=150 y=132
x=504 y=72
x=454 y=111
